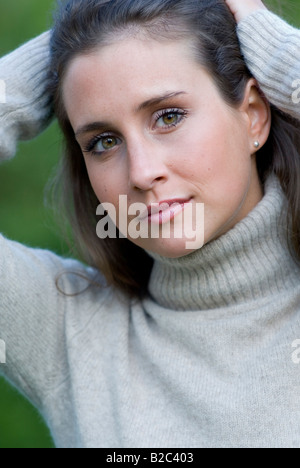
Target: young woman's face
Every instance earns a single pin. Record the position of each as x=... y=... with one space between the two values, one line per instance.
x=153 y=126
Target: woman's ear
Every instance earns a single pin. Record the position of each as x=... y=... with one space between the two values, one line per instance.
x=258 y=114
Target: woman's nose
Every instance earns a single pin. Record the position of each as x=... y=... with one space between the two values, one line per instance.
x=146 y=166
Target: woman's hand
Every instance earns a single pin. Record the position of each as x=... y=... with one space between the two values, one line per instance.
x=242 y=8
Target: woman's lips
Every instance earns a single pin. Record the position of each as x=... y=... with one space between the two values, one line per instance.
x=165 y=211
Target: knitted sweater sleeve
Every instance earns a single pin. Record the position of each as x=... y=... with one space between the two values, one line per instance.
x=271 y=48
x=25 y=108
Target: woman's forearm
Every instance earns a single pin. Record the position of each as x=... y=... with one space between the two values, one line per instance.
x=25 y=108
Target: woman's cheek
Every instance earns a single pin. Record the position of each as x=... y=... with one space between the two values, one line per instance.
x=104 y=181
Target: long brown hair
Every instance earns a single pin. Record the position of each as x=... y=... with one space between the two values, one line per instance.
x=82 y=25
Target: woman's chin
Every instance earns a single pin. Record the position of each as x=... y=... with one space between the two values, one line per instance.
x=169 y=248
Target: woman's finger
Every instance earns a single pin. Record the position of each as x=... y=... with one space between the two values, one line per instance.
x=242 y=8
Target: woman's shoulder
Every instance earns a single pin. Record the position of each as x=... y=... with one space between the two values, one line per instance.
x=46 y=303
x=39 y=286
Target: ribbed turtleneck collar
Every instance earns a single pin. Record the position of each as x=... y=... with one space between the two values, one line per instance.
x=251 y=261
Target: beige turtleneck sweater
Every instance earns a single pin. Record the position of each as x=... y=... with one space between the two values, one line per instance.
x=210 y=359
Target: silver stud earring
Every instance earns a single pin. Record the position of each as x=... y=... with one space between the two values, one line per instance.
x=256 y=144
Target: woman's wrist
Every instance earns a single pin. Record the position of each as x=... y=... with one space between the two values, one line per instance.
x=241 y=9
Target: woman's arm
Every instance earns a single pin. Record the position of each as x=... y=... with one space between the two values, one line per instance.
x=25 y=107
x=33 y=315
x=271 y=48
x=33 y=311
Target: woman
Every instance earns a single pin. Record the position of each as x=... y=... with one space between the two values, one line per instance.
x=176 y=347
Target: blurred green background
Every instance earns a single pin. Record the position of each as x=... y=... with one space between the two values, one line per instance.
x=23 y=215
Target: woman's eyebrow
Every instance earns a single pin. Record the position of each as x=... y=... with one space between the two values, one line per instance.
x=90 y=127
x=157 y=100
x=95 y=126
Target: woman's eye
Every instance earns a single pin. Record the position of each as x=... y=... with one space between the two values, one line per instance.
x=106 y=143
x=170 y=119
x=101 y=144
